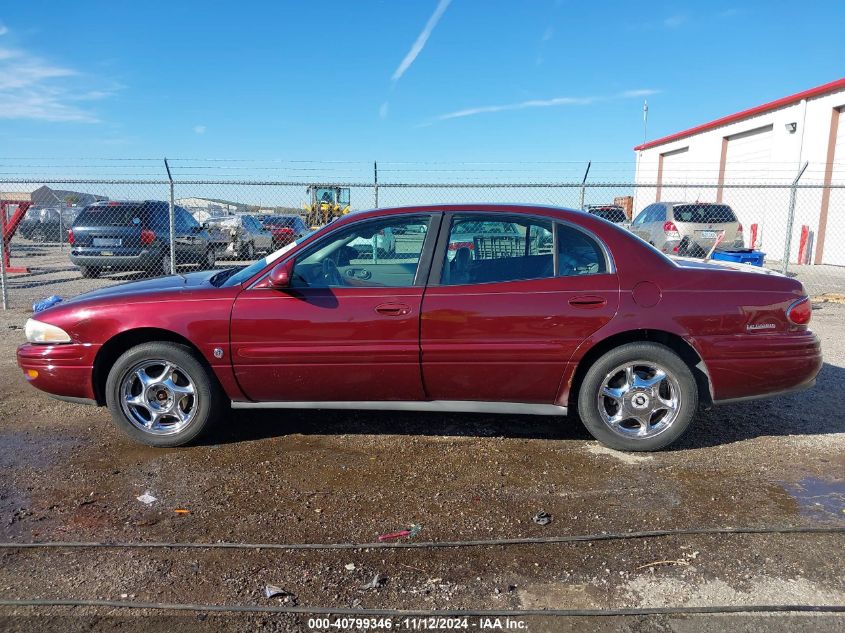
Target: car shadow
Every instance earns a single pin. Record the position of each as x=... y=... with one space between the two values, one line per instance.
x=814 y=411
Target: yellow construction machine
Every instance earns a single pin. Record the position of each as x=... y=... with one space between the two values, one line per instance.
x=326 y=204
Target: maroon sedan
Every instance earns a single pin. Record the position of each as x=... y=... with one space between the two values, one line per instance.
x=568 y=312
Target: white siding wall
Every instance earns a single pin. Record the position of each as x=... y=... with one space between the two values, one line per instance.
x=785 y=155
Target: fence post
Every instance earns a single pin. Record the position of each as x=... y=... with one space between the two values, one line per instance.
x=790 y=219
x=171 y=221
x=375 y=183
x=3 y=260
x=583 y=183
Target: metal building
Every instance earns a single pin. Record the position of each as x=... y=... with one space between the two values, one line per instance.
x=763 y=145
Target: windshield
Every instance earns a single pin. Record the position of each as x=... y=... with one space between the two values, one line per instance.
x=234 y=276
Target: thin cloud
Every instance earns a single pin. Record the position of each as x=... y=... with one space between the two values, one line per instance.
x=421 y=40
x=639 y=92
x=728 y=13
x=3 y=29
x=674 y=21
x=32 y=88
x=542 y=103
x=199 y=129
x=522 y=105
x=384 y=110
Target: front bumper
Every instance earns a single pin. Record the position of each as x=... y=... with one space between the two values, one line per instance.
x=64 y=371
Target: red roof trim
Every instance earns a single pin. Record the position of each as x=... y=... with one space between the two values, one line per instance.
x=833 y=86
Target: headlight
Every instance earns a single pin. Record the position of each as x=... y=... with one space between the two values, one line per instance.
x=38 y=332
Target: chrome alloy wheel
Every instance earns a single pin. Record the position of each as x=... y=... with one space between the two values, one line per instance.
x=639 y=399
x=158 y=397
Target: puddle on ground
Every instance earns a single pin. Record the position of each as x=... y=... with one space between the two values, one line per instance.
x=819 y=496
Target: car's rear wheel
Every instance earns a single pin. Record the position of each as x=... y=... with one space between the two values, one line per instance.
x=638 y=397
x=248 y=251
x=162 y=395
x=90 y=272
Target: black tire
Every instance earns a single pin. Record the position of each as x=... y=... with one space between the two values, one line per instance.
x=210 y=259
x=639 y=400
x=90 y=272
x=206 y=404
x=38 y=235
x=248 y=251
x=164 y=268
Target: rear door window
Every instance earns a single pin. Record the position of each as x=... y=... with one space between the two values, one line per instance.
x=485 y=249
x=703 y=213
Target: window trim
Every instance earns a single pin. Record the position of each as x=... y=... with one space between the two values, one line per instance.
x=435 y=275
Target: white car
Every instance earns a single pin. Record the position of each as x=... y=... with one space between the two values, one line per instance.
x=384 y=243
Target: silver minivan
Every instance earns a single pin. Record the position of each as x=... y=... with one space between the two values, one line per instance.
x=688 y=228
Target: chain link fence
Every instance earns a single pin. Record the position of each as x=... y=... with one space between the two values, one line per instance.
x=64 y=236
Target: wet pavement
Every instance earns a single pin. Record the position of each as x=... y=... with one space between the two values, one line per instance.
x=338 y=477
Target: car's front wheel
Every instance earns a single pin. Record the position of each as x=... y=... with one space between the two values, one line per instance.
x=638 y=397
x=162 y=395
x=90 y=272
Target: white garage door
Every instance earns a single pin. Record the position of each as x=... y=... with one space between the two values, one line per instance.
x=748 y=161
x=834 y=241
x=675 y=172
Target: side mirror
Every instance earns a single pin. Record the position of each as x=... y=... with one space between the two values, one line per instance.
x=281 y=275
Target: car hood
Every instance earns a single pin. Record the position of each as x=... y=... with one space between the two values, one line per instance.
x=149 y=286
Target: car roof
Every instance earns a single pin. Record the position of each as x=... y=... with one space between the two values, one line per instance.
x=505 y=208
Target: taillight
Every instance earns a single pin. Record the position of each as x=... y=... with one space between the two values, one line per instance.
x=670 y=229
x=456 y=245
x=799 y=313
x=70 y=238
x=147 y=237
x=739 y=228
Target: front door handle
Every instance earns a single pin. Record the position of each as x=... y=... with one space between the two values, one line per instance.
x=393 y=309
x=588 y=301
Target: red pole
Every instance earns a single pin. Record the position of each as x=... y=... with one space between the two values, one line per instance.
x=802 y=247
x=9 y=228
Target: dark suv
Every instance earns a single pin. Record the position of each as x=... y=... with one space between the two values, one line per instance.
x=136 y=236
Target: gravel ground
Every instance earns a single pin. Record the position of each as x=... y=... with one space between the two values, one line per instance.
x=327 y=477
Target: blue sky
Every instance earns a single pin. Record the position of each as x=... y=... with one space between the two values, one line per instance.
x=466 y=80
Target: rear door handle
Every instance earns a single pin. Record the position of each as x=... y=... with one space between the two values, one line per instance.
x=588 y=301
x=393 y=309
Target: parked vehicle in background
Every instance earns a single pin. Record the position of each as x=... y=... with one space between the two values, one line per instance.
x=48 y=224
x=135 y=235
x=688 y=228
x=610 y=212
x=602 y=323
x=379 y=244
x=284 y=228
x=238 y=236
